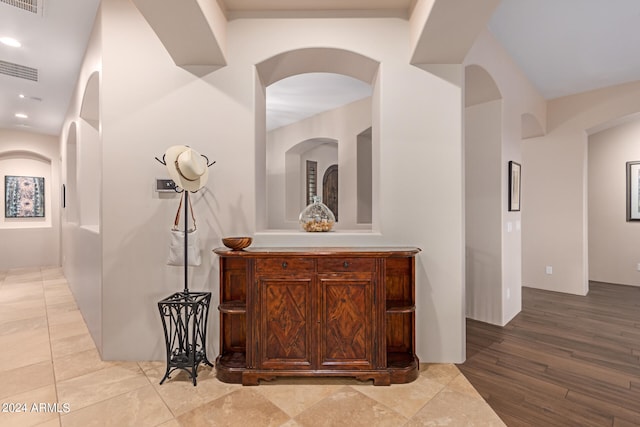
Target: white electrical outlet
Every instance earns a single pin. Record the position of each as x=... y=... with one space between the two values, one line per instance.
x=549 y=269
x=508 y=293
x=638 y=266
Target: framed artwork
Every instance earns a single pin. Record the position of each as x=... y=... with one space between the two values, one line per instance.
x=514 y=186
x=24 y=197
x=633 y=191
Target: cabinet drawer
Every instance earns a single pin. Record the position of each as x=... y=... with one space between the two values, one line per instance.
x=285 y=265
x=345 y=264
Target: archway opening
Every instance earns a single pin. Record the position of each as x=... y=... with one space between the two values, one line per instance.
x=274 y=170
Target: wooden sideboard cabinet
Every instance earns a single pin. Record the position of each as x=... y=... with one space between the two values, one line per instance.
x=317 y=312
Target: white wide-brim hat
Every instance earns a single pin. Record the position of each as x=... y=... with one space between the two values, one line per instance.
x=187 y=167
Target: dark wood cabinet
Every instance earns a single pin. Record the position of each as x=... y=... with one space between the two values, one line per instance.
x=317 y=312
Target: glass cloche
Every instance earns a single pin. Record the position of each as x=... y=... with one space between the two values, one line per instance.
x=317 y=216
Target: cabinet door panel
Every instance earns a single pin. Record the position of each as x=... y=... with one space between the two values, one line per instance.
x=285 y=323
x=346 y=329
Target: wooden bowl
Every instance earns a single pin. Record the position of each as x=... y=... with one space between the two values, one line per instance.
x=236 y=243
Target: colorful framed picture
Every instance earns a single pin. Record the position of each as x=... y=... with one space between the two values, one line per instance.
x=514 y=186
x=633 y=191
x=24 y=197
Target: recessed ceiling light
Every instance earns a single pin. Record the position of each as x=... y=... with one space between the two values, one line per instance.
x=22 y=116
x=9 y=41
x=21 y=96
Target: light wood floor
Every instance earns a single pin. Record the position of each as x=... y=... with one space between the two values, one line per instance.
x=565 y=360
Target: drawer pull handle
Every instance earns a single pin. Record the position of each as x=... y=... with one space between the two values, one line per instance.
x=345 y=264
x=284 y=264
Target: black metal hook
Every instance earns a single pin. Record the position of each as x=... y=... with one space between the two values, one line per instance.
x=209 y=164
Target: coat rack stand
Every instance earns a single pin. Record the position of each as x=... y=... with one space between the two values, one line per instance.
x=185 y=315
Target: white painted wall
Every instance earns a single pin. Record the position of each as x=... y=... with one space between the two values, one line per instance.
x=30 y=242
x=81 y=235
x=555 y=186
x=518 y=97
x=483 y=211
x=614 y=252
x=148 y=104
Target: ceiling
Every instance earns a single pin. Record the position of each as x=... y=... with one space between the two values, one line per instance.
x=571 y=46
x=54 y=38
x=563 y=46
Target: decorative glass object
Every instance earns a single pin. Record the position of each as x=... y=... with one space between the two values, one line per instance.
x=317 y=216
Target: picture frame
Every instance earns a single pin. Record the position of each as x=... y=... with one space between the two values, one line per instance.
x=515 y=173
x=633 y=191
x=24 y=196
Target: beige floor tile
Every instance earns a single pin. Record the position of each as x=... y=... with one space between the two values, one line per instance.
x=24 y=379
x=443 y=373
x=350 y=407
x=24 y=349
x=406 y=399
x=462 y=385
x=21 y=293
x=179 y=393
x=65 y=317
x=297 y=395
x=53 y=279
x=62 y=308
x=138 y=408
x=77 y=364
x=59 y=297
x=69 y=345
x=243 y=407
x=100 y=385
x=23 y=276
x=23 y=325
x=30 y=417
x=450 y=408
x=171 y=423
x=21 y=311
x=55 y=422
x=65 y=330
x=52 y=272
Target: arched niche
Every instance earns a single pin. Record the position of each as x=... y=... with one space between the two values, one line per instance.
x=309 y=60
x=530 y=126
x=71 y=186
x=90 y=109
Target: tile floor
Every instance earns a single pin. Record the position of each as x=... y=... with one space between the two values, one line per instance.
x=48 y=358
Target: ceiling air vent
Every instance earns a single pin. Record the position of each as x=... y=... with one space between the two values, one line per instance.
x=28 y=5
x=20 y=71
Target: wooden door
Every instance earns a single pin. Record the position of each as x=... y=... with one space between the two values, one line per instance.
x=346 y=336
x=330 y=189
x=285 y=321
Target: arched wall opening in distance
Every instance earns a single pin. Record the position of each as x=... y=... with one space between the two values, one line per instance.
x=300 y=61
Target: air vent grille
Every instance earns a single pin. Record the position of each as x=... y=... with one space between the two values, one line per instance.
x=28 y=5
x=20 y=71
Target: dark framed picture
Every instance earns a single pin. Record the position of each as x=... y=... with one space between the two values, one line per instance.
x=514 y=186
x=633 y=191
x=24 y=197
